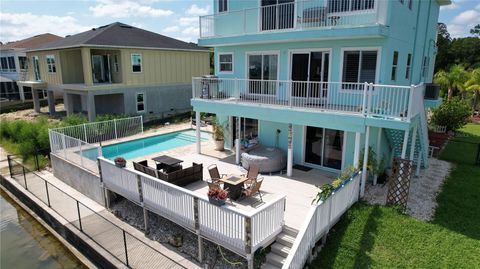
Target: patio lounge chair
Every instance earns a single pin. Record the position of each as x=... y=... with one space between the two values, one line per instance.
x=253 y=189
x=252 y=174
x=140 y=166
x=214 y=174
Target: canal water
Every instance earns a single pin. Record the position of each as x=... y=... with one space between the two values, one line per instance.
x=25 y=243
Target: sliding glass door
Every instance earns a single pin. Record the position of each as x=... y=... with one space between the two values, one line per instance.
x=262 y=73
x=324 y=147
x=310 y=71
x=277 y=14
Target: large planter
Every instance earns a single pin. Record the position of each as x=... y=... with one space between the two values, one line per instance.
x=120 y=164
x=219 y=145
x=216 y=202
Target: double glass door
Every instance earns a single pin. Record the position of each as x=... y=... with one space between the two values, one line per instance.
x=262 y=73
x=310 y=71
x=324 y=147
x=277 y=14
x=101 y=70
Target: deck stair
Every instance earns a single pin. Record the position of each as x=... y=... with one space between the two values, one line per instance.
x=281 y=248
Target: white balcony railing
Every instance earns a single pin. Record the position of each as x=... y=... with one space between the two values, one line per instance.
x=308 y=14
x=388 y=101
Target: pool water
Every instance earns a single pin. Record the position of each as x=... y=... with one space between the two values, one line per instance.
x=150 y=145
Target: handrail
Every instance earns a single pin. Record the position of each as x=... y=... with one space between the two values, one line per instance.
x=310 y=220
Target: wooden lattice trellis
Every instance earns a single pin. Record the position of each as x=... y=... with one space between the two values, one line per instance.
x=399 y=182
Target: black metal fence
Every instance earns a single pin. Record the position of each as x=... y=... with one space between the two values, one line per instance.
x=124 y=246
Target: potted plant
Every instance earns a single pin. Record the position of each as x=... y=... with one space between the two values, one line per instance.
x=219 y=135
x=120 y=162
x=373 y=166
x=217 y=196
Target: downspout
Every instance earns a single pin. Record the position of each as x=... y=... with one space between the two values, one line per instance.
x=414 y=43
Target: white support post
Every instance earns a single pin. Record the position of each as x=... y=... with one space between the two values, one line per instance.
x=412 y=146
x=141 y=122
x=85 y=132
x=115 y=128
x=356 y=153
x=365 y=162
x=405 y=143
x=377 y=151
x=197 y=129
x=364 y=100
x=237 y=142
x=410 y=102
x=290 y=151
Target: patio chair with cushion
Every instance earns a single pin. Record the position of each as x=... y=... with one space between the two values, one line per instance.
x=252 y=174
x=214 y=174
x=212 y=185
x=140 y=166
x=253 y=189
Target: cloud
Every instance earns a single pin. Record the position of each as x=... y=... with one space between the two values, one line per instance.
x=16 y=26
x=187 y=21
x=171 y=29
x=191 y=31
x=467 y=17
x=127 y=8
x=197 y=11
x=461 y=24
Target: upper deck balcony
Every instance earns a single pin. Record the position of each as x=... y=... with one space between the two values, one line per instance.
x=310 y=15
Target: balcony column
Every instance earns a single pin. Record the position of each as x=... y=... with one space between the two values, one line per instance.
x=91 y=107
x=290 y=151
x=21 y=92
x=87 y=66
x=67 y=104
x=365 y=162
x=197 y=131
x=405 y=144
x=412 y=145
x=356 y=153
x=377 y=150
x=36 y=101
x=237 y=141
x=51 y=102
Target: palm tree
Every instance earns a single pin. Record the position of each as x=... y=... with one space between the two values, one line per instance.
x=453 y=80
x=473 y=84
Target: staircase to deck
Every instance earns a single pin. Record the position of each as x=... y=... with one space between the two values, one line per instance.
x=281 y=248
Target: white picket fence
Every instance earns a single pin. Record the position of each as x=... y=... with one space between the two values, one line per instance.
x=96 y=132
x=320 y=219
x=240 y=231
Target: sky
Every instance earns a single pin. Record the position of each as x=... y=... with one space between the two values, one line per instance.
x=176 y=18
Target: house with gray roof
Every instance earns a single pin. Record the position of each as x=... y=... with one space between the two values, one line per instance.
x=117 y=69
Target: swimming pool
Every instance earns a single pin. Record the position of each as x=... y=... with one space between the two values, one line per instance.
x=149 y=145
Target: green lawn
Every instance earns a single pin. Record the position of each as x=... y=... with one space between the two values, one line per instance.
x=381 y=237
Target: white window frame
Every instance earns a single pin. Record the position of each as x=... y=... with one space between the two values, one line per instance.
x=10 y=69
x=116 y=67
x=321 y=166
x=6 y=63
x=220 y=63
x=20 y=64
x=227 y=7
x=377 y=67
x=408 y=66
x=394 y=71
x=144 y=102
x=262 y=53
x=425 y=66
x=141 y=63
x=51 y=66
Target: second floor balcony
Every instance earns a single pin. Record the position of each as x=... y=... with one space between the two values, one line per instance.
x=289 y=15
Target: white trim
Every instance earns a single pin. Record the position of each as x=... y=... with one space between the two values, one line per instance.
x=144 y=102
x=219 y=64
x=377 y=68
x=141 y=62
x=321 y=166
x=262 y=53
x=54 y=65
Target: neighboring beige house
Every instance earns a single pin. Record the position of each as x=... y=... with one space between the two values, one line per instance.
x=118 y=69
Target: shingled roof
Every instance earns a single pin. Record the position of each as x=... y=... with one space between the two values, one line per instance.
x=119 y=35
x=32 y=42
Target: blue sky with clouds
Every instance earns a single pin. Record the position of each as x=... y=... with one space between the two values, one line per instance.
x=176 y=18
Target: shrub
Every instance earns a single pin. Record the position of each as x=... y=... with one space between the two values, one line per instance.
x=453 y=114
x=74 y=119
x=106 y=117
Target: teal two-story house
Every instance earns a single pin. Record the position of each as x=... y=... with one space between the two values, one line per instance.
x=321 y=78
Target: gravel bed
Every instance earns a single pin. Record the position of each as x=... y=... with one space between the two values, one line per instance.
x=163 y=230
x=423 y=190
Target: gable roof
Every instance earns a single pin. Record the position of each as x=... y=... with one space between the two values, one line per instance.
x=32 y=42
x=119 y=35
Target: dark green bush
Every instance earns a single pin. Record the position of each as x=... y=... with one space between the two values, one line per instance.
x=74 y=119
x=453 y=114
x=106 y=117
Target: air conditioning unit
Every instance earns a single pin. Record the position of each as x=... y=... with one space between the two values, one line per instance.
x=432 y=91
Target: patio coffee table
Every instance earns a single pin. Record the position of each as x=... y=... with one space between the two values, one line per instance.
x=168 y=161
x=234 y=185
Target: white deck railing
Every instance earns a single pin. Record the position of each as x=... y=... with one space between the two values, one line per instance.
x=296 y=15
x=240 y=231
x=96 y=132
x=320 y=219
x=355 y=98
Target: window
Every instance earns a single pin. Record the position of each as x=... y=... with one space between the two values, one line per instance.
x=51 y=64
x=222 y=5
x=136 y=62
x=226 y=62
x=262 y=73
x=394 y=66
x=22 y=60
x=425 y=66
x=401 y=2
x=115 y=63
x=409 y=64
x=410 y=4
x=4 y=64
x=359 y=66
x=11 y=64
x=140 y=98
x=349 y=5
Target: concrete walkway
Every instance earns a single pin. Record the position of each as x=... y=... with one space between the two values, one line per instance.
x=142 y=252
